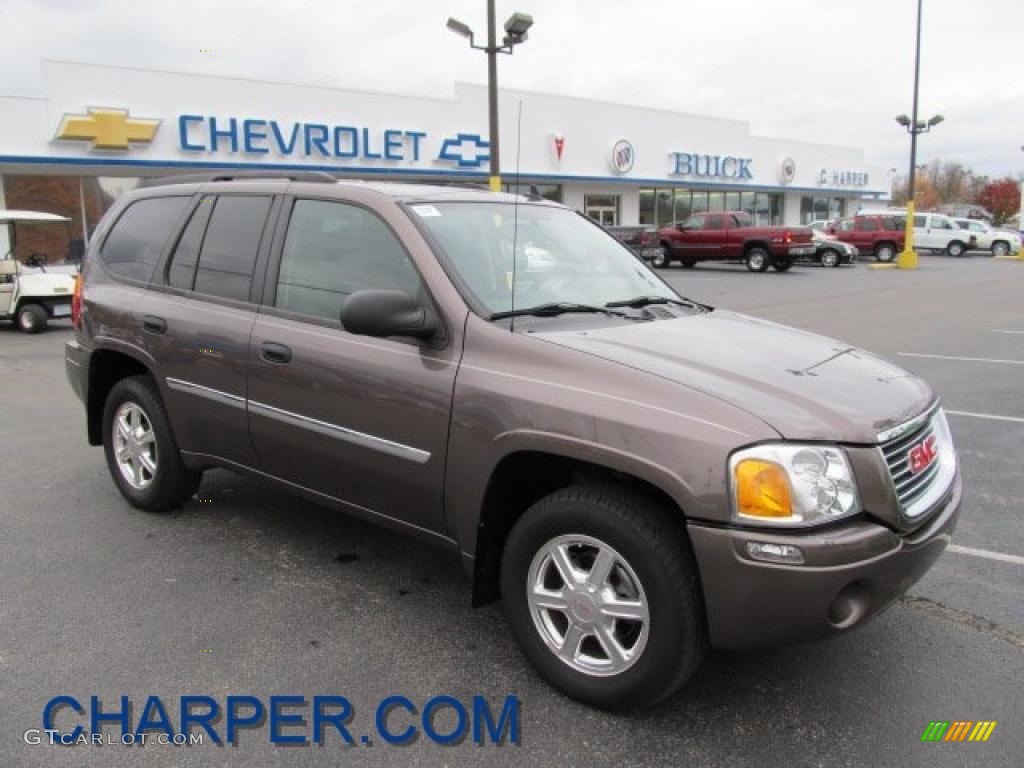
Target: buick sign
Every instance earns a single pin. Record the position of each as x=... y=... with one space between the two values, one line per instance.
x=623 y=156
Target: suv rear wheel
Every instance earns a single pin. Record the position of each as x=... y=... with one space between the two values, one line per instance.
x=141 y=452
x=32 y=318
x=756 y=259
x=601 y=589
x=885 y=252
x=956 y=248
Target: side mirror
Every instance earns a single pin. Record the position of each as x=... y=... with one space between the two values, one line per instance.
x=386 y=313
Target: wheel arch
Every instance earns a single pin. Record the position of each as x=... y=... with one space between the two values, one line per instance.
x=507 y=497
x=106 y=368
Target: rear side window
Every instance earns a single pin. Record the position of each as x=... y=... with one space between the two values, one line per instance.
x=920 y=221
x=182 y=272
x=134 y=245
x=230 y=247
x=867 y=225
x=333 y=250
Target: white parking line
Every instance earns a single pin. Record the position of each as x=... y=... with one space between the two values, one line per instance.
x=972 y=552
x=992 y=416
x=1000 y=330
x=963 y=359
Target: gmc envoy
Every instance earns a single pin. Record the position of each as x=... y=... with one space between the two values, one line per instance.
x=636 y=475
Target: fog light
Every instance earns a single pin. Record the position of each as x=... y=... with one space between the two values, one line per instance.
x=775 y=553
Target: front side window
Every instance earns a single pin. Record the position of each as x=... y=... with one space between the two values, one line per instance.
x=846 y=225
x=559 y=257
x=941 y=224
x=334 y=249
x=230 y=247
x=135 y=243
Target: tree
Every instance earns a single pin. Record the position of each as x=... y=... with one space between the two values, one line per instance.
x=1002 y=198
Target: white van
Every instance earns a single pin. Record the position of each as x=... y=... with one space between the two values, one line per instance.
x=938 y=232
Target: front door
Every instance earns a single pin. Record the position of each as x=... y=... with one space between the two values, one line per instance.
x=361 y=419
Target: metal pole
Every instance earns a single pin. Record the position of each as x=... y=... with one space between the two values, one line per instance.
x=492 y=96
x=908 y=259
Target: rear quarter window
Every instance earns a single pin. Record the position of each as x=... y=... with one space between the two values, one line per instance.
x=139 y=235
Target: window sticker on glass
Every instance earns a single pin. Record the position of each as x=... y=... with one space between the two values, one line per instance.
x=426 y=210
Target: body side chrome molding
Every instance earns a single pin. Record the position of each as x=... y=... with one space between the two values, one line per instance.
x=189 y=388
x=362 y=439
x=399 y=450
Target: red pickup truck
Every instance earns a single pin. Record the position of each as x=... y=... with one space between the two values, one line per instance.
x=732 y=236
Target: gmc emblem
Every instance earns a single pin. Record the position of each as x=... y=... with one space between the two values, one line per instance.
x=921 y=455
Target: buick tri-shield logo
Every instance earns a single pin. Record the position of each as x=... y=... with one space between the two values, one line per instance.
x=623 y=156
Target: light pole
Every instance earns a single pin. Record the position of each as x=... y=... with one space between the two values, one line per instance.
x=515 y=33
x=908 y=259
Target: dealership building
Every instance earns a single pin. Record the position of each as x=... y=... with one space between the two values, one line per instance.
x=96 y=131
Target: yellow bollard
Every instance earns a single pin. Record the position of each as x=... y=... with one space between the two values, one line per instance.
x=908 y=257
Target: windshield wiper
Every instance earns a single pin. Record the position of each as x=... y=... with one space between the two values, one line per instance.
x=644 y=301
x=555 y=308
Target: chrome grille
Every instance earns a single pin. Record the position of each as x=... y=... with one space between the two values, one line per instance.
x=910 y=487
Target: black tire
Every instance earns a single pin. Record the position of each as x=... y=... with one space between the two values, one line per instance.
x=757 y=259
x=830 y=257
x=172 y=483
x=1000 y=248
x=885 y=252
x=653 y=542
x=956 y=248
x=689 y=262
x=32 y=318
x=663 y=258
x=782 y=265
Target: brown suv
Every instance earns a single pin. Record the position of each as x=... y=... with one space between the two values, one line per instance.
x=637 y=475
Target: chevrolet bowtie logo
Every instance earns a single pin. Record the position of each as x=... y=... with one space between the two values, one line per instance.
x=107 y=128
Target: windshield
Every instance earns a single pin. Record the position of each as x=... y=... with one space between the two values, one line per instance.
x=560 y=256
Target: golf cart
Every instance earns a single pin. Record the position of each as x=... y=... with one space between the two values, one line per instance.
x=29 y=294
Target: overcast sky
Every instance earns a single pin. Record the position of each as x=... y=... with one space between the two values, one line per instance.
x=830 y=71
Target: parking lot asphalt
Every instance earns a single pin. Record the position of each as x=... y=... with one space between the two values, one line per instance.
x=247 y=590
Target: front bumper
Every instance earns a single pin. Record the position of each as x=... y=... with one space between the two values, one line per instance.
x=851 y=572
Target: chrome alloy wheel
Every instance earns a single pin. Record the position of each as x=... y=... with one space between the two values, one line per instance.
x=588 y=605
x=135 y=446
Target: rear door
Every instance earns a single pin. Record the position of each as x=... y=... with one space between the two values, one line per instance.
x=199 y=321
x=360 y=419
x=865 y=233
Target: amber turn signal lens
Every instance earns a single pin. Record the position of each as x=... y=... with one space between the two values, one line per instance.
x=762 y=489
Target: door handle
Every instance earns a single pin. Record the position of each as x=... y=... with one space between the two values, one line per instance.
x=273 y=352
x=153 y=324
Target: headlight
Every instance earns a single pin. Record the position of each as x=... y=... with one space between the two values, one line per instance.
x=788 y=484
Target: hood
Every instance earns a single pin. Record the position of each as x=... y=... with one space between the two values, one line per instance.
x=805 y=386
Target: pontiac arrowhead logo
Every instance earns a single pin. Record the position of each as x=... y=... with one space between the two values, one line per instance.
x=107 y=128
x=559 y=144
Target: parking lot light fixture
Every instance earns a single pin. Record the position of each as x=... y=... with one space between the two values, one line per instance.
x=515 y=33
x=908 y=258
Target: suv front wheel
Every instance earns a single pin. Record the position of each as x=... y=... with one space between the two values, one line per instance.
x=142 y=455
x=601 y=588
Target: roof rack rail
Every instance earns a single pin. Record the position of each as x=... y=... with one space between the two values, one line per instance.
x=321 y=177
